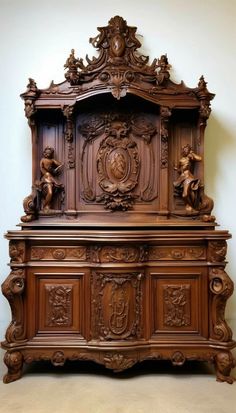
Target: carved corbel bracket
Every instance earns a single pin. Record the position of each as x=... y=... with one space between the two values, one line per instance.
x=165 y=116
x=221 y=288
x=12 y=289
x=217 y=251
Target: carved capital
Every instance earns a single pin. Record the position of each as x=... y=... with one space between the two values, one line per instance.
x=17 y=252
x=217 y=250
x=221 y=287
x=12 y=289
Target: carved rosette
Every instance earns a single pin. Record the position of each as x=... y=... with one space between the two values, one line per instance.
x=165 y=115
x=12 y=289
x=178 y=358
x=118 y=167
x=221 y=287
x=217 y=250
x=116 y=305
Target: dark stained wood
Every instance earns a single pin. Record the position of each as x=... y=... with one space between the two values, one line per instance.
x=118 y=259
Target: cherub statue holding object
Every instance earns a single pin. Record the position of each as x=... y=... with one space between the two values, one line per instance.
x=186 y=182
x=49 y=167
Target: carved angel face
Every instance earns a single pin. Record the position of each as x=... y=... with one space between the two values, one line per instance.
x=48 y=152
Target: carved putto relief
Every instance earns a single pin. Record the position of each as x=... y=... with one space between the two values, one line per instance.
x=189 y=186
x=48 y=185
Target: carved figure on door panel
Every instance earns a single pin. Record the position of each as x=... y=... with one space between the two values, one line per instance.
x=186 y=182
x=48 y=184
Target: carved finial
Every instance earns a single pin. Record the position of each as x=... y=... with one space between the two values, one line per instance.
x=202 y=84
x=164 y=67
x=32 y=89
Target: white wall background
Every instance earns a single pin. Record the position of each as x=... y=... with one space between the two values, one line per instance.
x=199 y=37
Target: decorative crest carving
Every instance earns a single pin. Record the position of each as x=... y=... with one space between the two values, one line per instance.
x=118 y=65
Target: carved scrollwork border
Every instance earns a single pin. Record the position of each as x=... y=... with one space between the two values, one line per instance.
x=13 y=289
x=221 y=288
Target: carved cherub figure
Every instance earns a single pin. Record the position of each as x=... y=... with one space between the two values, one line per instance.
x=186 y=182
x=49 y=167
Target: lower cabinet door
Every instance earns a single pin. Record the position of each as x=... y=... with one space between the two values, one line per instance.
x=56 y=301
x=117 y=304
x=179 y=301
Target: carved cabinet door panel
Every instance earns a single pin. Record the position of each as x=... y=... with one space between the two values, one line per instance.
x=117 y=305
x=56 y=302
x=179 y=301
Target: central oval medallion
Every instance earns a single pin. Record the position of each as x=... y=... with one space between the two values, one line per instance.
x=118 y=164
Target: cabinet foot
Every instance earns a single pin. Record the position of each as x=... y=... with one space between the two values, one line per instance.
x=14 y=363
x=224 y=362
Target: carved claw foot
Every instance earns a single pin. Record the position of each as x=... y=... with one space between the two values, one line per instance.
x=14 y=362
x=224 y=362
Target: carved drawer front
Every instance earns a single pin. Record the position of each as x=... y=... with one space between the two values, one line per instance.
x=117 y=307
x=177 y=253
x=58 y=253
x=178 y=299
x=57 y=300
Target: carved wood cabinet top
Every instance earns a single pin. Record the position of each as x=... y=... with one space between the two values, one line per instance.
x=120 y=142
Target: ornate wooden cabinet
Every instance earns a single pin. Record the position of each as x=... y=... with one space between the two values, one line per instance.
x=118 y=259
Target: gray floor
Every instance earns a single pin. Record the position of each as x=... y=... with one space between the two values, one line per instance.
x=150 y=387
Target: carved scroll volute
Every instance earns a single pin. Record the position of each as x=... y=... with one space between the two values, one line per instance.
x=221 y=287
x=165 y=115
x=12 y=289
